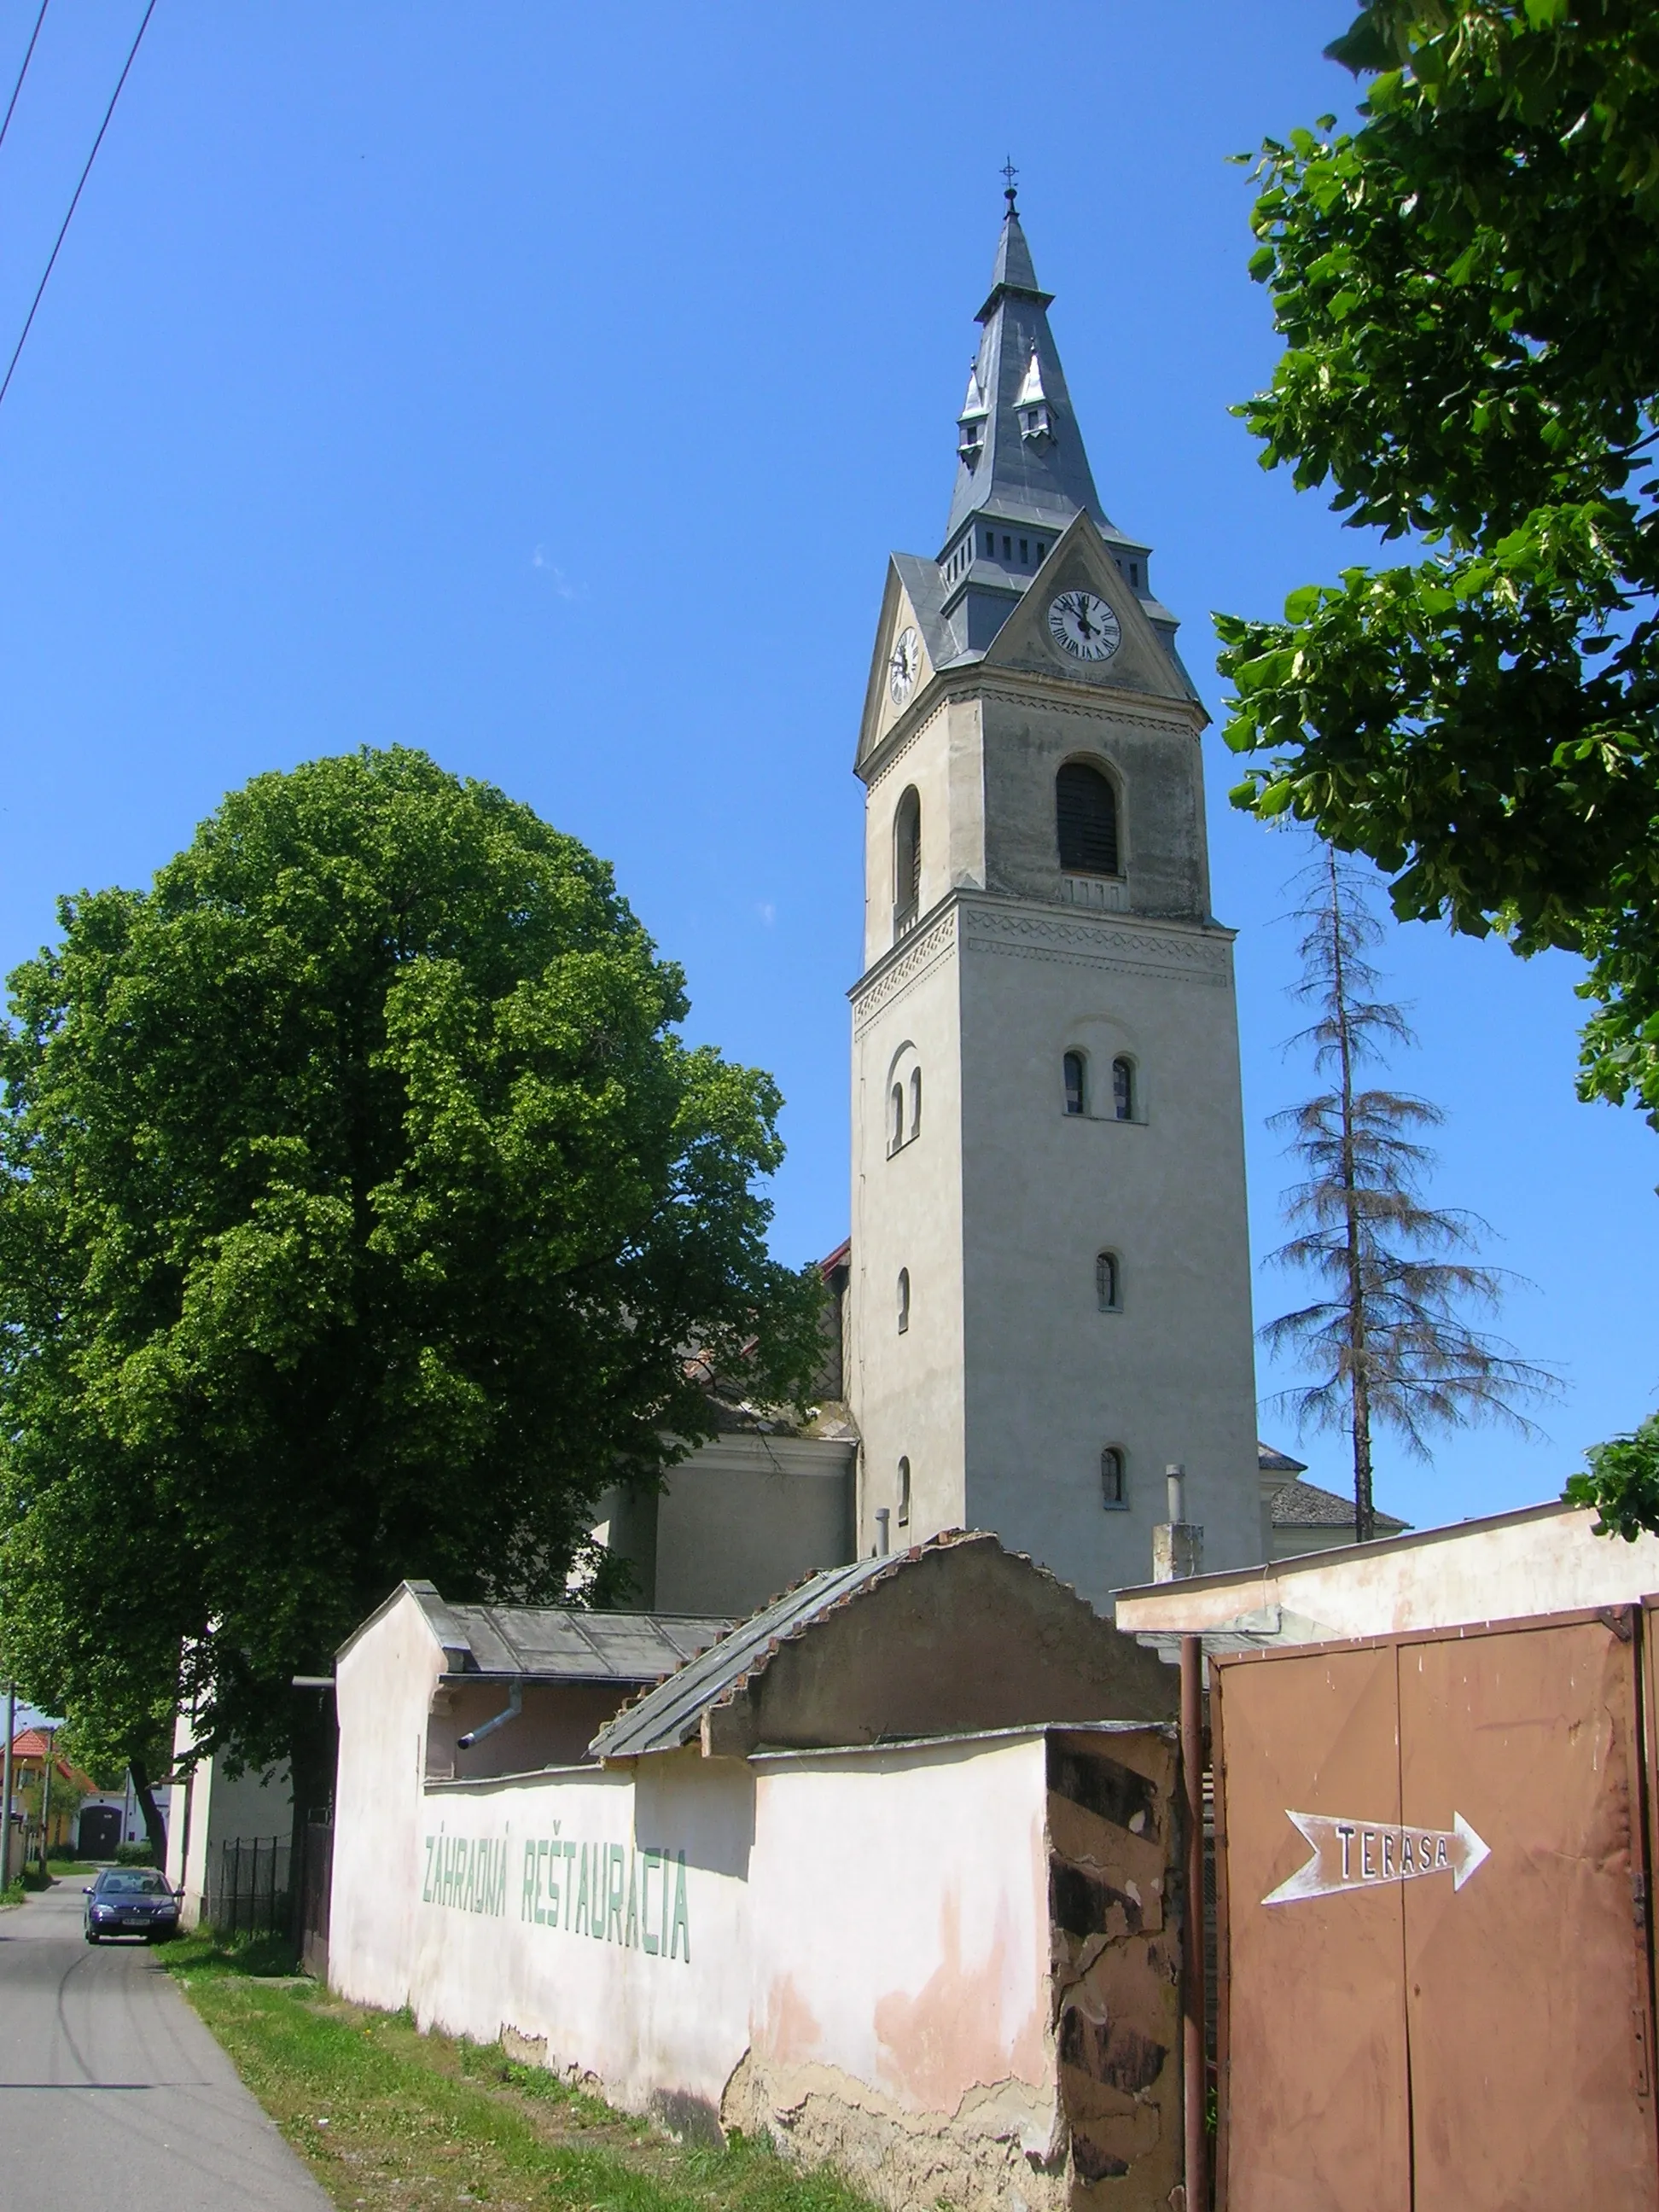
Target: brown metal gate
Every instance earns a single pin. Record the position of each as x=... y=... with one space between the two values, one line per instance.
x=1435 y=1964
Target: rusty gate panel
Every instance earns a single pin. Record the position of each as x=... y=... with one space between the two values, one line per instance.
x=1527 y=1978
x=1316 y=2089
x=1435 y=1851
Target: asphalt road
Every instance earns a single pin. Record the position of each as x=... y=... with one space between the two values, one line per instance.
x=112 y=2092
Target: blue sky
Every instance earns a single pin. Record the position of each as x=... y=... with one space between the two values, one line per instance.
x=546 y=386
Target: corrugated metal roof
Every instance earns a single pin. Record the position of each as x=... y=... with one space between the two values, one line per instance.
x=561 y=1644
x=669 y=1716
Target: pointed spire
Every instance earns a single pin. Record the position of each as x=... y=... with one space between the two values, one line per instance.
x=1021 y=460
x=1013 y=270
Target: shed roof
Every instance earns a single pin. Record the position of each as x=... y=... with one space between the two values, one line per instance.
x=955 y=1633
x=669 y=1716
x=562 y=1643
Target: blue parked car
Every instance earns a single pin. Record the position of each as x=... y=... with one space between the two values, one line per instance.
x=130 y=1901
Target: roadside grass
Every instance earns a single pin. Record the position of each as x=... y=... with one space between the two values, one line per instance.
x=385 y=2117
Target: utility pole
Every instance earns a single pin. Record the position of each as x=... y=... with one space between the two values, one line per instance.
x=5 y=1786
x=45 y=1798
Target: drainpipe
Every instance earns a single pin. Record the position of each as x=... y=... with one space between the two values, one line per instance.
x=1195 y=2056
x=510 y=1712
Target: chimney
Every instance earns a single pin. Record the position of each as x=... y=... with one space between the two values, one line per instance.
x=882 y=1516
x=1177 y=1543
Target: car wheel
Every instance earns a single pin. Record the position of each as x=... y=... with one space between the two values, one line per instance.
x=92 y=1935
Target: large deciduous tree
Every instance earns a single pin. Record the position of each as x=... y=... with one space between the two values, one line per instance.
x=359 y=1203
x=1469 y=289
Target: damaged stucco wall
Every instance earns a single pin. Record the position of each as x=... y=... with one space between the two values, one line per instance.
x=905 y=2033
x=945 y=1965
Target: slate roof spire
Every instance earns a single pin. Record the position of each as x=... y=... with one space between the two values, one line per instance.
x=1025 y=466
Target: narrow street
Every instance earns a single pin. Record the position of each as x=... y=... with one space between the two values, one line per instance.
x=111 y=2089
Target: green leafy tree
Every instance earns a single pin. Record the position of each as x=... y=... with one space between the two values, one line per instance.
x=1385 y=1341
x=1468 y=285
x=359 y=1202
x=1622 y=1483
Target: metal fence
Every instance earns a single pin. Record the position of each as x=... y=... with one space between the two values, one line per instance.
x=249 y=1892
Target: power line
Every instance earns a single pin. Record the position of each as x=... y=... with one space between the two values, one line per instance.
x=132 y=55
x=24 y=71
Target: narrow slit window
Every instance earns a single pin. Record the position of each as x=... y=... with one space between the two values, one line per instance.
x=1113 y=1490
x=1075 y=1074
x=1085 y=821
x=1107 y=1282
x=896 y=1134
x=907 y=860
x=1023 y=555
x=904 y=1493
x=915 y=1102
x=990 y=543
x=903 y=1300
x=1007 y=548
x=1123 y=1089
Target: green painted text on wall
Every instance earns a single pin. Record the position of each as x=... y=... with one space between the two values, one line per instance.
x=607 y=1891
x=467 y=1873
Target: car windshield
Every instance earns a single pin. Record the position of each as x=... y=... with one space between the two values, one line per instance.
x=132 y=1882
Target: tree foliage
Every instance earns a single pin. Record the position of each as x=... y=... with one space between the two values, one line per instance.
x=1385 y=1341
x=359 y=1202
x=1469 y=289
x=1622 y=1483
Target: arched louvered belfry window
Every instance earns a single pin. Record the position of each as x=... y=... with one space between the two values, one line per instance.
x=1123 y=1088
x=915 y=1102
x=1085 y=817
x=896 y=1125
x=907 y=860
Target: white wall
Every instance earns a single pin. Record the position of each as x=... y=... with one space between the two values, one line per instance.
x=1543 y=1559
x=928 y=1978
x=212 y=1809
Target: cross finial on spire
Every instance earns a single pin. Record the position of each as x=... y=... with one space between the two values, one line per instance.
x=1012 y=174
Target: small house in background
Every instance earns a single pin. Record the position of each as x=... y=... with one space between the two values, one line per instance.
x=31 y=1748
x=1299 y=1517
x=887 y=1870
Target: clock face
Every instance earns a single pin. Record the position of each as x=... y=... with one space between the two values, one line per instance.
x=1084 y=626
x=903 y=667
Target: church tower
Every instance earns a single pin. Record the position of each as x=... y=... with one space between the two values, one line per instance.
x=1051 y=1294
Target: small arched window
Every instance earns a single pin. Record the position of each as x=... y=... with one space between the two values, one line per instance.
x=904 y=1493
x=1114 y=1486
x=1085 y=814
x=903 y=1300
x=1076 y=1074
x=907 y=860
x=915 y=1102
x=1108 y=1282
x=1123 y=1088
x=896 y=1127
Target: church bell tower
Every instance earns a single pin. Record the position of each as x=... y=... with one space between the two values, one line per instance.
x=1051 y=1293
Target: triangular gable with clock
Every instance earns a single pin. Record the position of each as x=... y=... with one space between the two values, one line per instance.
x=1050 y=1271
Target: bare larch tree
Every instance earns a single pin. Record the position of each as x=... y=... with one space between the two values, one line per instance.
x=1386 y=1342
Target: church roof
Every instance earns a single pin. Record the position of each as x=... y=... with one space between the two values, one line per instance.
x=1039 y=480
x=1305 y=1506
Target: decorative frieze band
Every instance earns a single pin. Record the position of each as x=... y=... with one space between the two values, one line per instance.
x=925 y=951
x=1197 y=957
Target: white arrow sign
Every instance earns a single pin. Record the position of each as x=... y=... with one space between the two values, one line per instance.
x=1361 y=1853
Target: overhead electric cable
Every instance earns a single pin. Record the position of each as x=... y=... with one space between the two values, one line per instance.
x=24 y=71
x=29 y=324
